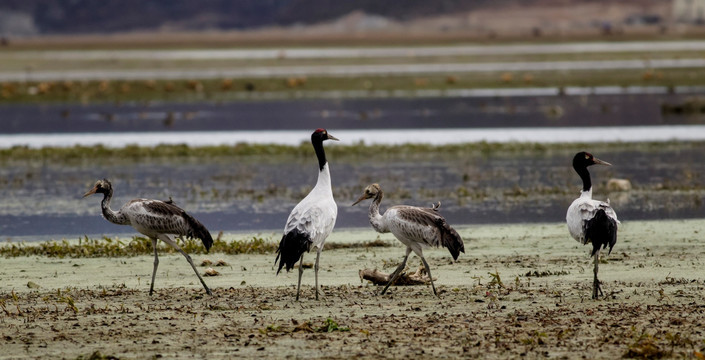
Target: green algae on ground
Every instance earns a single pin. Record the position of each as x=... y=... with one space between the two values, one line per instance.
x=653 y=284
x=140 y=245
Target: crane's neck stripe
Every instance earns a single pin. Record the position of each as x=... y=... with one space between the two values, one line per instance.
x=320 y=153
x=585 y=176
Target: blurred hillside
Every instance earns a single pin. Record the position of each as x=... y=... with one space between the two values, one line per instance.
x=39 y=17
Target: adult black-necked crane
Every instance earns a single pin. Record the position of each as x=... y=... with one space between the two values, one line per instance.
x=415 y=227
x=155 y=219
x=312 y=219
x=591 y=221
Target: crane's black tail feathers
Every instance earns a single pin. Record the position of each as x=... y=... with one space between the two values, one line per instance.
x=197 y=230
x=450 y=239
x=292 y=246
x=601 y=231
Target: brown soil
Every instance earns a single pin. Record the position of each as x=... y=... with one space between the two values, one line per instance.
x=519 y=290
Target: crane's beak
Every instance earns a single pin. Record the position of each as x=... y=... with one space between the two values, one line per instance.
x=363 y=197
x=600 y=162
x=91 y=191
x=331 y=137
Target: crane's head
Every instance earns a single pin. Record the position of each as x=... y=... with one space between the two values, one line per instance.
x=322 y=134
x=584 y=159
x=101 y=186
x=370 y=192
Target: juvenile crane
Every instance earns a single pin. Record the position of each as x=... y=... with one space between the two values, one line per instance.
x=415 y=227
x=591 y=221
x=312 y=219
x=157 y=220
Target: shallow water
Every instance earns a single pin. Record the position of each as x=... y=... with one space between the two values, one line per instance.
x=617 y=115
x=361 y=52
x=43 y=200
x=457 y=112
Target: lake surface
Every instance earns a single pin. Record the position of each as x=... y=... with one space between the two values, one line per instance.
x=540 y=107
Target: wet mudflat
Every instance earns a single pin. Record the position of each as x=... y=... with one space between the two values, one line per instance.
x=519 y=290
x=476 y=184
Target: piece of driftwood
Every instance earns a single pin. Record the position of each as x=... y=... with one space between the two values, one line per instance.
x=405 y=279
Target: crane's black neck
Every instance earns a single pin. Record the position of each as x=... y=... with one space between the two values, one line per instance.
x=585 y=176
x=320 y=153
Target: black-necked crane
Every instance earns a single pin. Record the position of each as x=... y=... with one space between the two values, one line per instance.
x=415 y=227
x=312 y=219
x=155 y=219
x=591 y=221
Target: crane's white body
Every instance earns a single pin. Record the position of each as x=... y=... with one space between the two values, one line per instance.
x=591 y=220
x=312 y=219
x=582 y=210
x=315 y=215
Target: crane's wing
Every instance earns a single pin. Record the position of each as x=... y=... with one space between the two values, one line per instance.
x=314 y=219
x=426 y=226
x=164 y=217
x=588 y=209
x=582 y=211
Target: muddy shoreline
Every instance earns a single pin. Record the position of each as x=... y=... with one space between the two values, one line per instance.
x=520 y=290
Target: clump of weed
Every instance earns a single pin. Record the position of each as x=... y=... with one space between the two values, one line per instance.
x=363 y=245
x=331 y=325
x=645 y=347
x=108 y=247
x=496 y=280
x=96 y=355
x=537 y=273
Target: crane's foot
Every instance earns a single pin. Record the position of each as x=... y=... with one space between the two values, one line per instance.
x=596 y=290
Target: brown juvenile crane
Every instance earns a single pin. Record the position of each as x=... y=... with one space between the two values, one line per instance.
x=157 y=220
x=415 y=227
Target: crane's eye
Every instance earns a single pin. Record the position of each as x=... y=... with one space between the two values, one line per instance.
x=587 y=156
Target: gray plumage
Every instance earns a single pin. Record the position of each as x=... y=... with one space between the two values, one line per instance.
x=415 y=227
x=155 y=219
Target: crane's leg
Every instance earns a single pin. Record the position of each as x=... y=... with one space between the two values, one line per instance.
x=167 y=239
x=428 y=271
x=397 y=272
x=315 y=269
x=301 y=272
x=596 y=283
x=156 y=264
